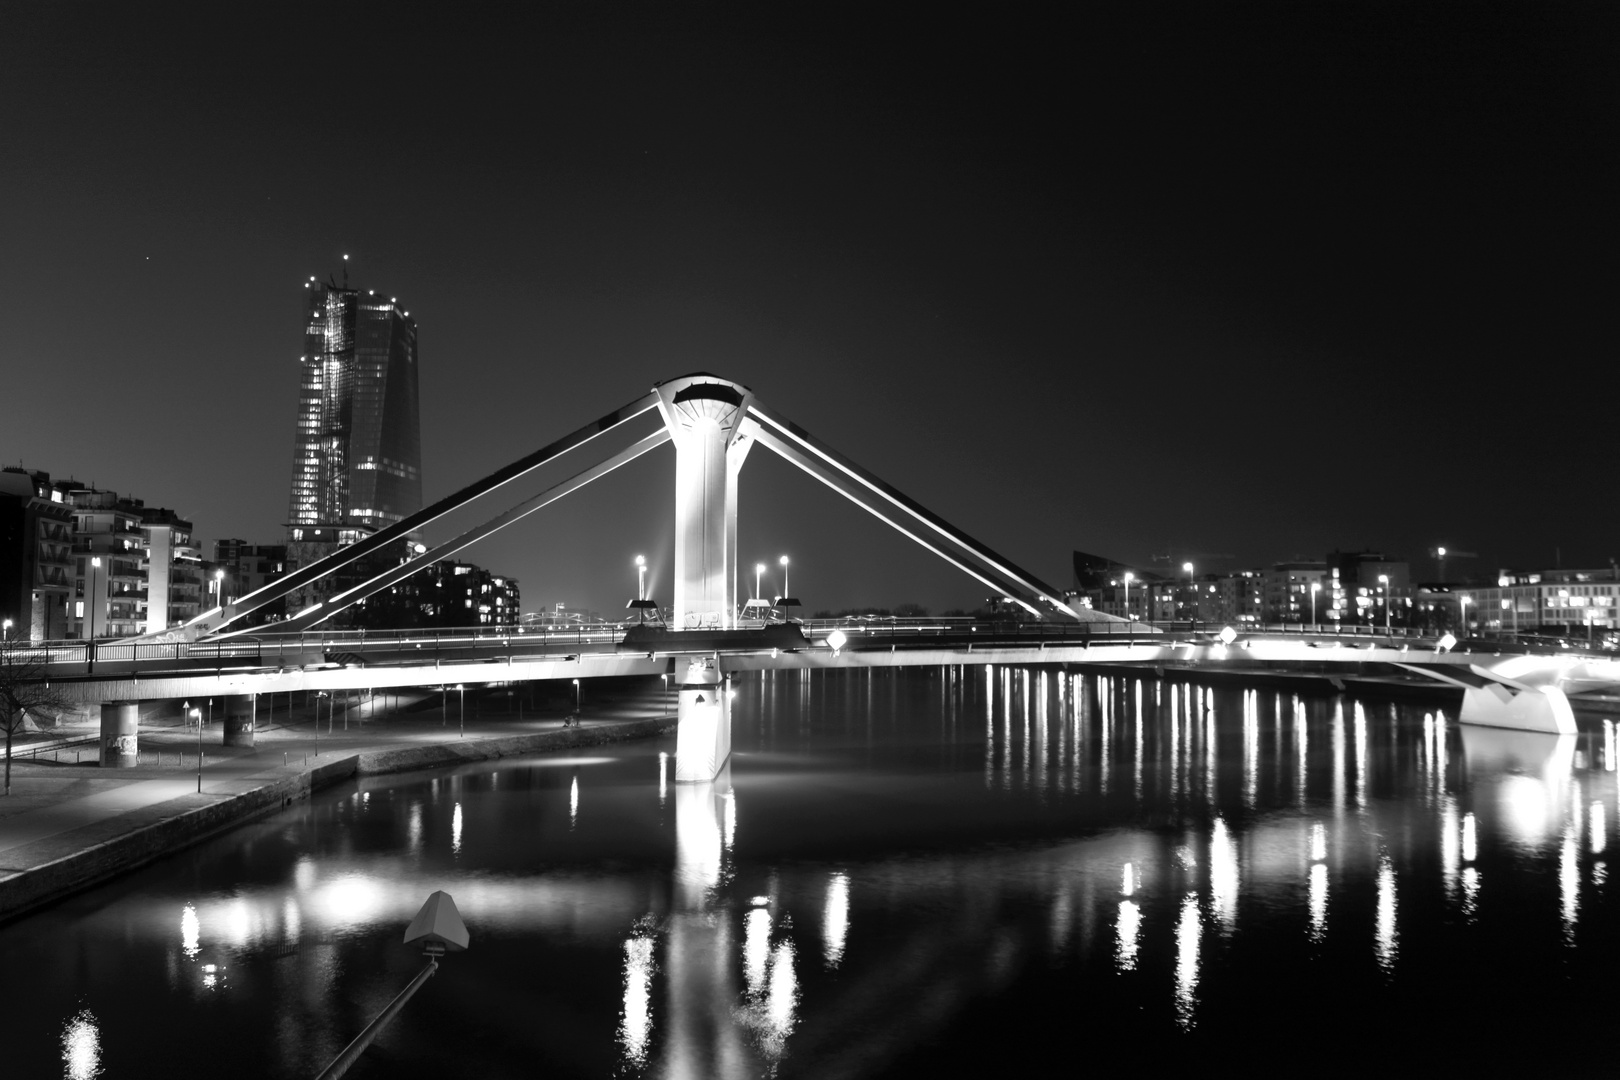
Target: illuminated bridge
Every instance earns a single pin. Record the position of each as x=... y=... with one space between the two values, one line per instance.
x=714 y=424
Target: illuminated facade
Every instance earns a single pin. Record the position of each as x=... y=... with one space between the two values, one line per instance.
x=1578 y=602
x=149 y=578
x=357 y=460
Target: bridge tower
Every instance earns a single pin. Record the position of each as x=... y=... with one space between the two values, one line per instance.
x=705 y=419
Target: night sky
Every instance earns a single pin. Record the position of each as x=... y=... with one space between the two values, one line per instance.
x=1140 y=279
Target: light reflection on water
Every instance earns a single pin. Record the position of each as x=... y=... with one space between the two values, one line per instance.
x=866 y=878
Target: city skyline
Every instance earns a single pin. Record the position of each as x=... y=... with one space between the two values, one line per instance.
x=1241 y=279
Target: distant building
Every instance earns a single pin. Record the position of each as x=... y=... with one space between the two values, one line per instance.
x=36 y=556
x=1290 y=597
x=357 y=459
x=1368 y=588
x=454 y=594
x=1579 y=603
x=1242 y=597
x=242 y=568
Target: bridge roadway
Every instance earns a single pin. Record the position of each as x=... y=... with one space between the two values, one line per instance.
x=350 y=660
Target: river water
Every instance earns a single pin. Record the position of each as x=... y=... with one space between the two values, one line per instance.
x=934 y=871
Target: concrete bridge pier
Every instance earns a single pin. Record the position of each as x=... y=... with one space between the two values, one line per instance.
x=120 y=734
x=703 y=722
x=241 y=715
x=1545 y=709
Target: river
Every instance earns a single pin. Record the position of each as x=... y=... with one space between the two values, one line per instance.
x=913 y=872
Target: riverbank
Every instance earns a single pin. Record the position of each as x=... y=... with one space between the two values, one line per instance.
x=68 y=827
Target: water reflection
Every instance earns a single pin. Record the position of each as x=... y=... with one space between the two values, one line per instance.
x=81 y=1047
x=635 y=1026
x=1386 y=942
x=835 y=920
x=1008 y=867
x=1188 y=931
x=190 y=932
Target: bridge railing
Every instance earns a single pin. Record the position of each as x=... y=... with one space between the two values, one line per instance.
x=272 y=648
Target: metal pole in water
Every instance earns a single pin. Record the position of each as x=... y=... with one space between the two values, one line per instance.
x=352 y=1052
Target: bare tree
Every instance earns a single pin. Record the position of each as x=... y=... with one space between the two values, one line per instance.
x=25 y=691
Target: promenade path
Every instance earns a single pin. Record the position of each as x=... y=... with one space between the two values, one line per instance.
x=63 y=812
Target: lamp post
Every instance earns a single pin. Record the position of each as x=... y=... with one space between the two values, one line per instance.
x=784 y=562
x=219 y=587
x=1316 y=587
x=1128 y=577
x=1383 y=579
x=462 y=690
x=90 y=611
x=576 y=697
x=759 y=570
x=665 y=677
x=1462 y=612
x=199 y=748
x=5 y=630
x=1188 y=567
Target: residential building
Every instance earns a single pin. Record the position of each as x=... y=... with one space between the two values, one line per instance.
x=451 y=593
x=1293 y=593
x=36 y=556
x=1368 y=588
x=134 y=569
x=1581 y=603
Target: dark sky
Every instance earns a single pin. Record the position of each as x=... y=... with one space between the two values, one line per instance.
x=1200 y=279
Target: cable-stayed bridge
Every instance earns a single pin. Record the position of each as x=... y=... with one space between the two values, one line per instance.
x=714 y=424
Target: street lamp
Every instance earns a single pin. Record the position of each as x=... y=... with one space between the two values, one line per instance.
x=1128 y=578
x=462 y=690
x=759 y=569
x=5 y=630
x=641 y=577
x=1462 y=612
x=576 y=697
x=665 y=677
x=198 y=713
x=1316 y=587
x=219 y=587
x=1188 y=567
x=1383 y=579
x=784 y=562
x=90 y=602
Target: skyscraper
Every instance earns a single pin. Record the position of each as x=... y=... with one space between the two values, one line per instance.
x=357 y=462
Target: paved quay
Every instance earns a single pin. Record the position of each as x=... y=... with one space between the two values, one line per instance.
x=69 y=824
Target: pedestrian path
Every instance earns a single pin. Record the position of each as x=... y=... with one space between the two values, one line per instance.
x=60 y=811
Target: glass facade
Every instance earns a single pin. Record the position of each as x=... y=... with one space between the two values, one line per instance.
x=358 y=450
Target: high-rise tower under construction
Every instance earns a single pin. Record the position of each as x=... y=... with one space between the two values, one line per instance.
x=357 y=462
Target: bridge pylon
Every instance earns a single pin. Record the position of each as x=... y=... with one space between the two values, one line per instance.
x=703 y=722
x=705 y=416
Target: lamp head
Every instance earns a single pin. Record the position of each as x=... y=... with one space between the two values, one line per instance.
x=784 y=560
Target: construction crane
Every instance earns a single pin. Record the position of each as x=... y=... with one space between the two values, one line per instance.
x=1440 y=555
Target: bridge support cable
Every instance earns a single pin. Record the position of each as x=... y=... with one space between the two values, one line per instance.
x=393 y=575
x=881 y=501
x=213 y=621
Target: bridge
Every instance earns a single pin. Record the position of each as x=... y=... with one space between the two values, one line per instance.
x=714 y=424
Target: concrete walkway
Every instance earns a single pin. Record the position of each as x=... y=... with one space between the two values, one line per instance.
x=67 y=825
